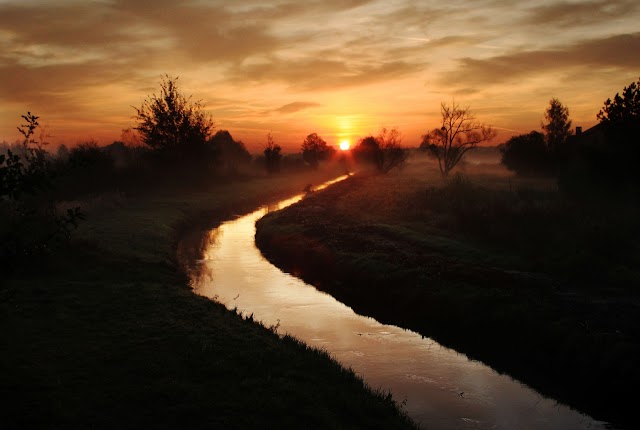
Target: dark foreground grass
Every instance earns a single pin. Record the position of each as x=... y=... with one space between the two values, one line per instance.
x=504 y=271
x=107 y=334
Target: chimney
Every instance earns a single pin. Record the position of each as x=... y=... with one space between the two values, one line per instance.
x=578 y=131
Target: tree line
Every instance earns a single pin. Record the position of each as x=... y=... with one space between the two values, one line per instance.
x=178 y=147
x=599 y=160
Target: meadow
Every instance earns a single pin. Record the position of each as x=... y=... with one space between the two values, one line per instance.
x=508 y=270
x=105 y=332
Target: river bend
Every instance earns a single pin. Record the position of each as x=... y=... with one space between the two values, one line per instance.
x=440 y=388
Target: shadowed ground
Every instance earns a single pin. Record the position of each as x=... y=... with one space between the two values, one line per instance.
x=107 y=334
x=501 y=269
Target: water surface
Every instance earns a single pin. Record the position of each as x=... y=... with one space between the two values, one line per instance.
x=440 y=388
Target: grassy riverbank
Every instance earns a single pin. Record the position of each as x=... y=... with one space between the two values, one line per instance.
x=503 y=269
x=106 y=333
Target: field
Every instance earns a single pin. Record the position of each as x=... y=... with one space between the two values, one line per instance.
x=107 y=333
x=506 y=270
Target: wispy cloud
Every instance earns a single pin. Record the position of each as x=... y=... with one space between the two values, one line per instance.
x=316 y=74
x=579 y=13
x=613 y=52
x=295 y=107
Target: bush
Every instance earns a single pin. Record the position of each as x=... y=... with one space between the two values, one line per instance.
x=30 y=225
x=527 y=154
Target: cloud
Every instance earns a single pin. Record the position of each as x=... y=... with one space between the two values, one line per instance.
x=579 y=13
x=194 y=31
x=317 y=73
x=90 y=61
x=295 y=107
x=615 y=52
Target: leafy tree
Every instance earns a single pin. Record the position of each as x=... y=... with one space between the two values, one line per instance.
x=620 y=121
x=272 y=155
x=315 y=149
x=171 y=121
x=384 y=152
x=621 y=116
x=367 y=150
x=526 y=154
x=232 y=153
x=558 y=127
x=459 y=133
x=622 y=109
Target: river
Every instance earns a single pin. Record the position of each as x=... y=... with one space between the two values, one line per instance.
x=439 y=387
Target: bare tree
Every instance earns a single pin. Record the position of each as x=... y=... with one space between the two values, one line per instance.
x=385 y=151
x=272 y=155
x=460 y=132
x=393 y=153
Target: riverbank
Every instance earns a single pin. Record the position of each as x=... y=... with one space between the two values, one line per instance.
x=450 y=262
x=107 y=334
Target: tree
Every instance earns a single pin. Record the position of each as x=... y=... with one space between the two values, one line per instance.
x=620 y=117
x=526 y=154
x=232 y=153
x=622 y=109
x=459 y=133
x=620 y=122
x=272 y=155
x=367 y=150
x=28 y=172
x=28 y=225
x=172 y=121
x=558 y=127
x=393 y=153
x=315 y=149
x=384 y=152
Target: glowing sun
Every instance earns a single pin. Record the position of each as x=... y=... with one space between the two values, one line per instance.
x=344 y=145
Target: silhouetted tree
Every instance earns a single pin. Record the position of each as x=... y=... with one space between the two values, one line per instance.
x=28 y=217
x=459 y=133
x=558 y=127
x=526 y=154
x=62 y=154
x=623 y=109
x=384 y=152
x=25 y=173
x=621 y=116
x=315 y=149
x=605 y=157
x=90 y=165
x=393 y=153
x=367 y=150
x=171 y=121
x=272 y=155
x=620 y=121
x=232 y=153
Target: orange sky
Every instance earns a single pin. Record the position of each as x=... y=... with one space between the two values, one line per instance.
x=340 y=68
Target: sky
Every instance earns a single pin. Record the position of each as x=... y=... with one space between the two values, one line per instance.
x=342 y=69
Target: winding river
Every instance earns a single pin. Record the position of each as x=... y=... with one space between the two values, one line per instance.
x=440 y=388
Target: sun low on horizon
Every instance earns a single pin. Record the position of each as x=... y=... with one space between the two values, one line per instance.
x=266 y=67
x=345 y=145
